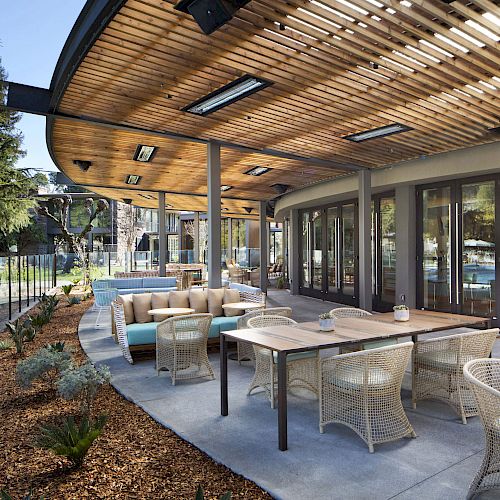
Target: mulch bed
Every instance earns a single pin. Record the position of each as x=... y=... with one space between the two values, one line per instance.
x=135 y=457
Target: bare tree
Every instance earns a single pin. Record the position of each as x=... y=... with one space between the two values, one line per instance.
x=77 y=242
x=189 y=227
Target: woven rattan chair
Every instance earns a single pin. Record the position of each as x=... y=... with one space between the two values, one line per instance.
x=483 y=377
x=438 y=369
x=181 y=347
x=302 y=368
x=363 y=391
x=245 y=349
x=103 y=299
x=349 y=312
x=121 y=330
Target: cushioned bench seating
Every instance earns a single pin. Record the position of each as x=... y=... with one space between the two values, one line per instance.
x=140 y=327
x=142 y=285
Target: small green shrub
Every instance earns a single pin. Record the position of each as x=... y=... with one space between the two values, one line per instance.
x=74 y=301
x=200 y=494
x=69 y=439
x=280 y=282
x=56 y=346
x=21 y=332
x=48 y=304
x=38 y=321
x=5 y=495
x=46 y=363
x=83 y=382
x=67 y=289
x=5 y=345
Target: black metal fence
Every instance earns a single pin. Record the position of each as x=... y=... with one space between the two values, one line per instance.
x=24 y=278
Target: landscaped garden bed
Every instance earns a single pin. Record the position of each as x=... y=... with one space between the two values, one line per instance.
x=134 y=457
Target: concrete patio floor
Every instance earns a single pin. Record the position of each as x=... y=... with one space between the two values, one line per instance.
x=439 y=464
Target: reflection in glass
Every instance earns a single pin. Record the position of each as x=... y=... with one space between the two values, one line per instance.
x=317 y=256
x=388 y=249
x=333 y=258
x=478 y=248
x=305 y=250
x=348 y=249
x=436 y=205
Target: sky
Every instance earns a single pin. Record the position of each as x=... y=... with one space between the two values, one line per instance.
x=32 y=35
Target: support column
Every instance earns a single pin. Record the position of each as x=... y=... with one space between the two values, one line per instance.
x=293 y=252
x=284 y=247
x=406 y=243
x=263 y=245
x=365 y=244
x=162 y=235
x=230 y=238
x=213 y=215
x=196 y=239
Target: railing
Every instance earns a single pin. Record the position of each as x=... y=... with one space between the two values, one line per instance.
x=24 y=278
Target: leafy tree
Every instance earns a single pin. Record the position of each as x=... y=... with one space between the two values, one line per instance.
x=17 y=187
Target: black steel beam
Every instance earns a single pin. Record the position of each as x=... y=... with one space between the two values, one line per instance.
x=28 y=99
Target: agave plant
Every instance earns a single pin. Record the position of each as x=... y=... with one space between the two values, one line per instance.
x=70 y=439
x=73 y=301
x=56 y=346
x=21 y=332
x=200 y=494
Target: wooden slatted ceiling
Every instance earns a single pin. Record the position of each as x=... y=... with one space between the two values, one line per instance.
x=151 y=61
x=176 y=167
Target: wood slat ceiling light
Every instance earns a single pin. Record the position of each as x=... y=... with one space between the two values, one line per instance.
x=338 y=67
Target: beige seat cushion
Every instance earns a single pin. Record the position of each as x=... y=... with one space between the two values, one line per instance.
x=232 y=296
x=179 y=298
x=159 y=300
x=198 y=300
x=128 y=307
x=142 y=304
x=215 y=298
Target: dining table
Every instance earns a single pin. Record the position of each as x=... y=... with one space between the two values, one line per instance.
x=285 y=340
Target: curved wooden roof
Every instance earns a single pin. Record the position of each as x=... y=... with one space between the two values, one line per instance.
x=338 y=67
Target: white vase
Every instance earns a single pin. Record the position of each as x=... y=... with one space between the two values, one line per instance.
x=402 y=315
x=327 y=325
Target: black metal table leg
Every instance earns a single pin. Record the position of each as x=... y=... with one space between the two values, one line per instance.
x=223 y=376
x=282 y=403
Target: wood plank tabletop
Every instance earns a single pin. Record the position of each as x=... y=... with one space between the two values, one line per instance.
x=351 y=330
x=430 y=321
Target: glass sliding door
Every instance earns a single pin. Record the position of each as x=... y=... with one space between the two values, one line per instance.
x=384 y=251
x=478 y=248
x=317 y=250
x=437 y=245
x=457 y=251
x=329 y=253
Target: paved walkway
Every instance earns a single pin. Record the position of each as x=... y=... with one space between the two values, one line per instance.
x=439 y=464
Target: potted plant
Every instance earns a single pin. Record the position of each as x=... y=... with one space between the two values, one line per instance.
x=401 y=313
x=326 y=322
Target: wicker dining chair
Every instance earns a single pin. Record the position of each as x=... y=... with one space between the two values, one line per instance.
x=302 y=367
x=362 y=390
x=438 y=366
x=121 y=330
x=245 y=349
x=181 y=347
x=483 y=377
x=102 y=301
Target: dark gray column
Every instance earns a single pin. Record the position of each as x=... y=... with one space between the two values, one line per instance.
x=365 y=244
x=162 y=236
x=263 y=245
x=230 y=238
x=196 y=239
x=213 y=215
x=406 y=253
x=293 y=252
x=284 y=246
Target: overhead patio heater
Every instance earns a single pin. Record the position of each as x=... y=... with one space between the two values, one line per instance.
x=211 y=14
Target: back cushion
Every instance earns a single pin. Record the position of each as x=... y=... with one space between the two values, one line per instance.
x=160 y=282
x=128 y=307
x=142 y=304
x=126 y=283
x=215 y=298
x=198 y=300
x=230 y=297
x=178 y=298
x=159 y=300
